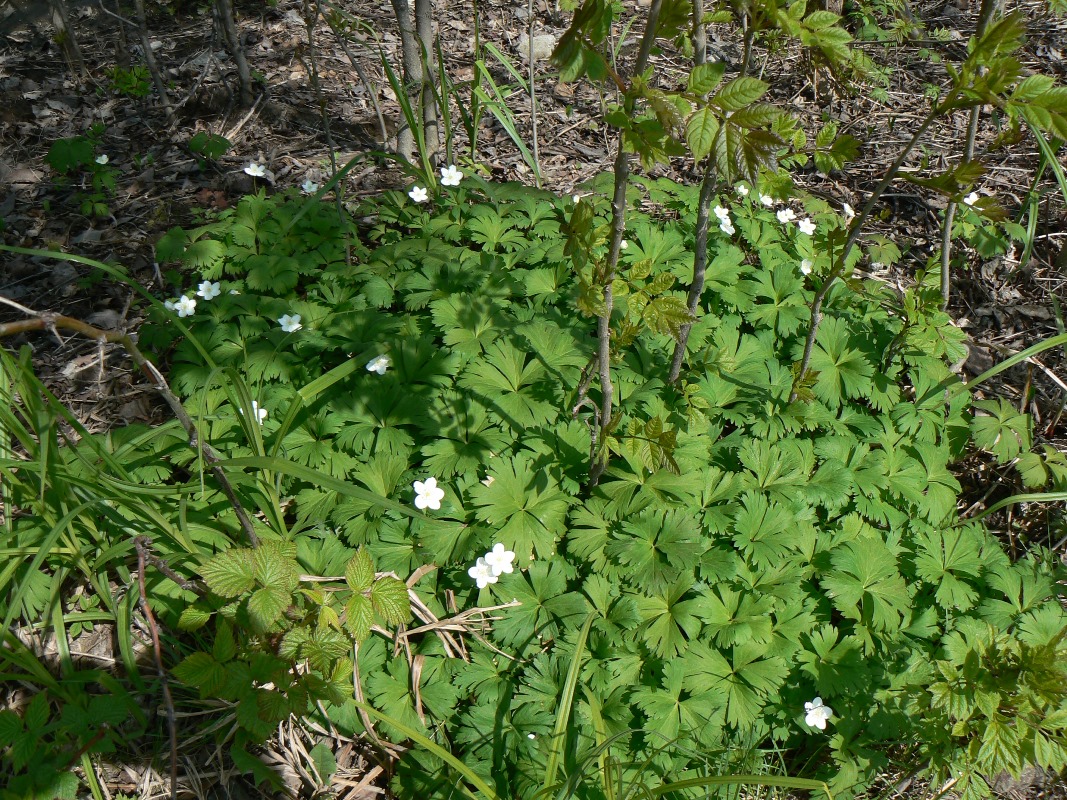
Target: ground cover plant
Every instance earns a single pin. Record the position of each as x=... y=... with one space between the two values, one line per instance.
x=491 y=470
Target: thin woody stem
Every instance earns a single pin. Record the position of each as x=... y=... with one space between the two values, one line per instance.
x=850 y=242
x=45 y=321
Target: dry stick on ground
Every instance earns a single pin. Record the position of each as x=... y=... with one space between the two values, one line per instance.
x=372 y=91
x=988 y=9
x=618 y=224
x=224 y=9
x=142 y=543
x=150 y=60
x=46 y=321
x=65 y=37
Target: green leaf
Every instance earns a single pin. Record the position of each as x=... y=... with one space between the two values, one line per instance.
x=193 y=617
x=359 y=573
x=526 y=506
x=700 y=132
x=230 y=573
x=203 y=672
x=325 y=762
x=740 y=92
x=705 y=77
x=359 y=616
x=865 y=585
x=266 y=606
x=389 y=597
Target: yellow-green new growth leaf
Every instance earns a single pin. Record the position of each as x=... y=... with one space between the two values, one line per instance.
x=267 y=605
x=359 y=573
x=230 y=573
x=389 y=597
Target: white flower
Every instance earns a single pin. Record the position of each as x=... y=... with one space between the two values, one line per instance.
x=234 y=291
x=970 y=199
x=767 y=200
x=741 y=189
x=309 y=186
x=450 y=176
x=418 y=194
x=499 y=559
x=259 y=413
x=379 y=364
x=170 y=304
x=577 y=199
x=256 y=170
x=805 y=266
x=817 y=714
x=102 y=159
x=722 y=213
x=290 y=322
x=185 y=306
x=208 y=290
x=531 y=736
x=623 y=244
x=428 y=494
x=786 y=215
x=481 y=572
x=727 y=227
x=806 y=226
x=849 y=213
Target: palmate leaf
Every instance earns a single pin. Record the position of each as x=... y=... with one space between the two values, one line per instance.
x=866 y=586
x=945 y=559
x=735 y=617
x=546 y=607
x=843 y=371
x=656 y=548
x=744 y=683
x=668 y=621
x=526 y=505
x=836 y=663
x=505 y=381
x=670 y=710
x=763 y=529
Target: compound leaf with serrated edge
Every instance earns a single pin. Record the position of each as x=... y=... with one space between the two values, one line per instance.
x=230 y=573
x=359 y=572
x=389 y=597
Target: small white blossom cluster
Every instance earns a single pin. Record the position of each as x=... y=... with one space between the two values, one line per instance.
x=450 y=176
x=725 y=225
x=787 y=215
x=185 y=305
x=492 y=565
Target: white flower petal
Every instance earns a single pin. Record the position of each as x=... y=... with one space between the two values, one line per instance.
x=418 y=194
x=290 y=322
